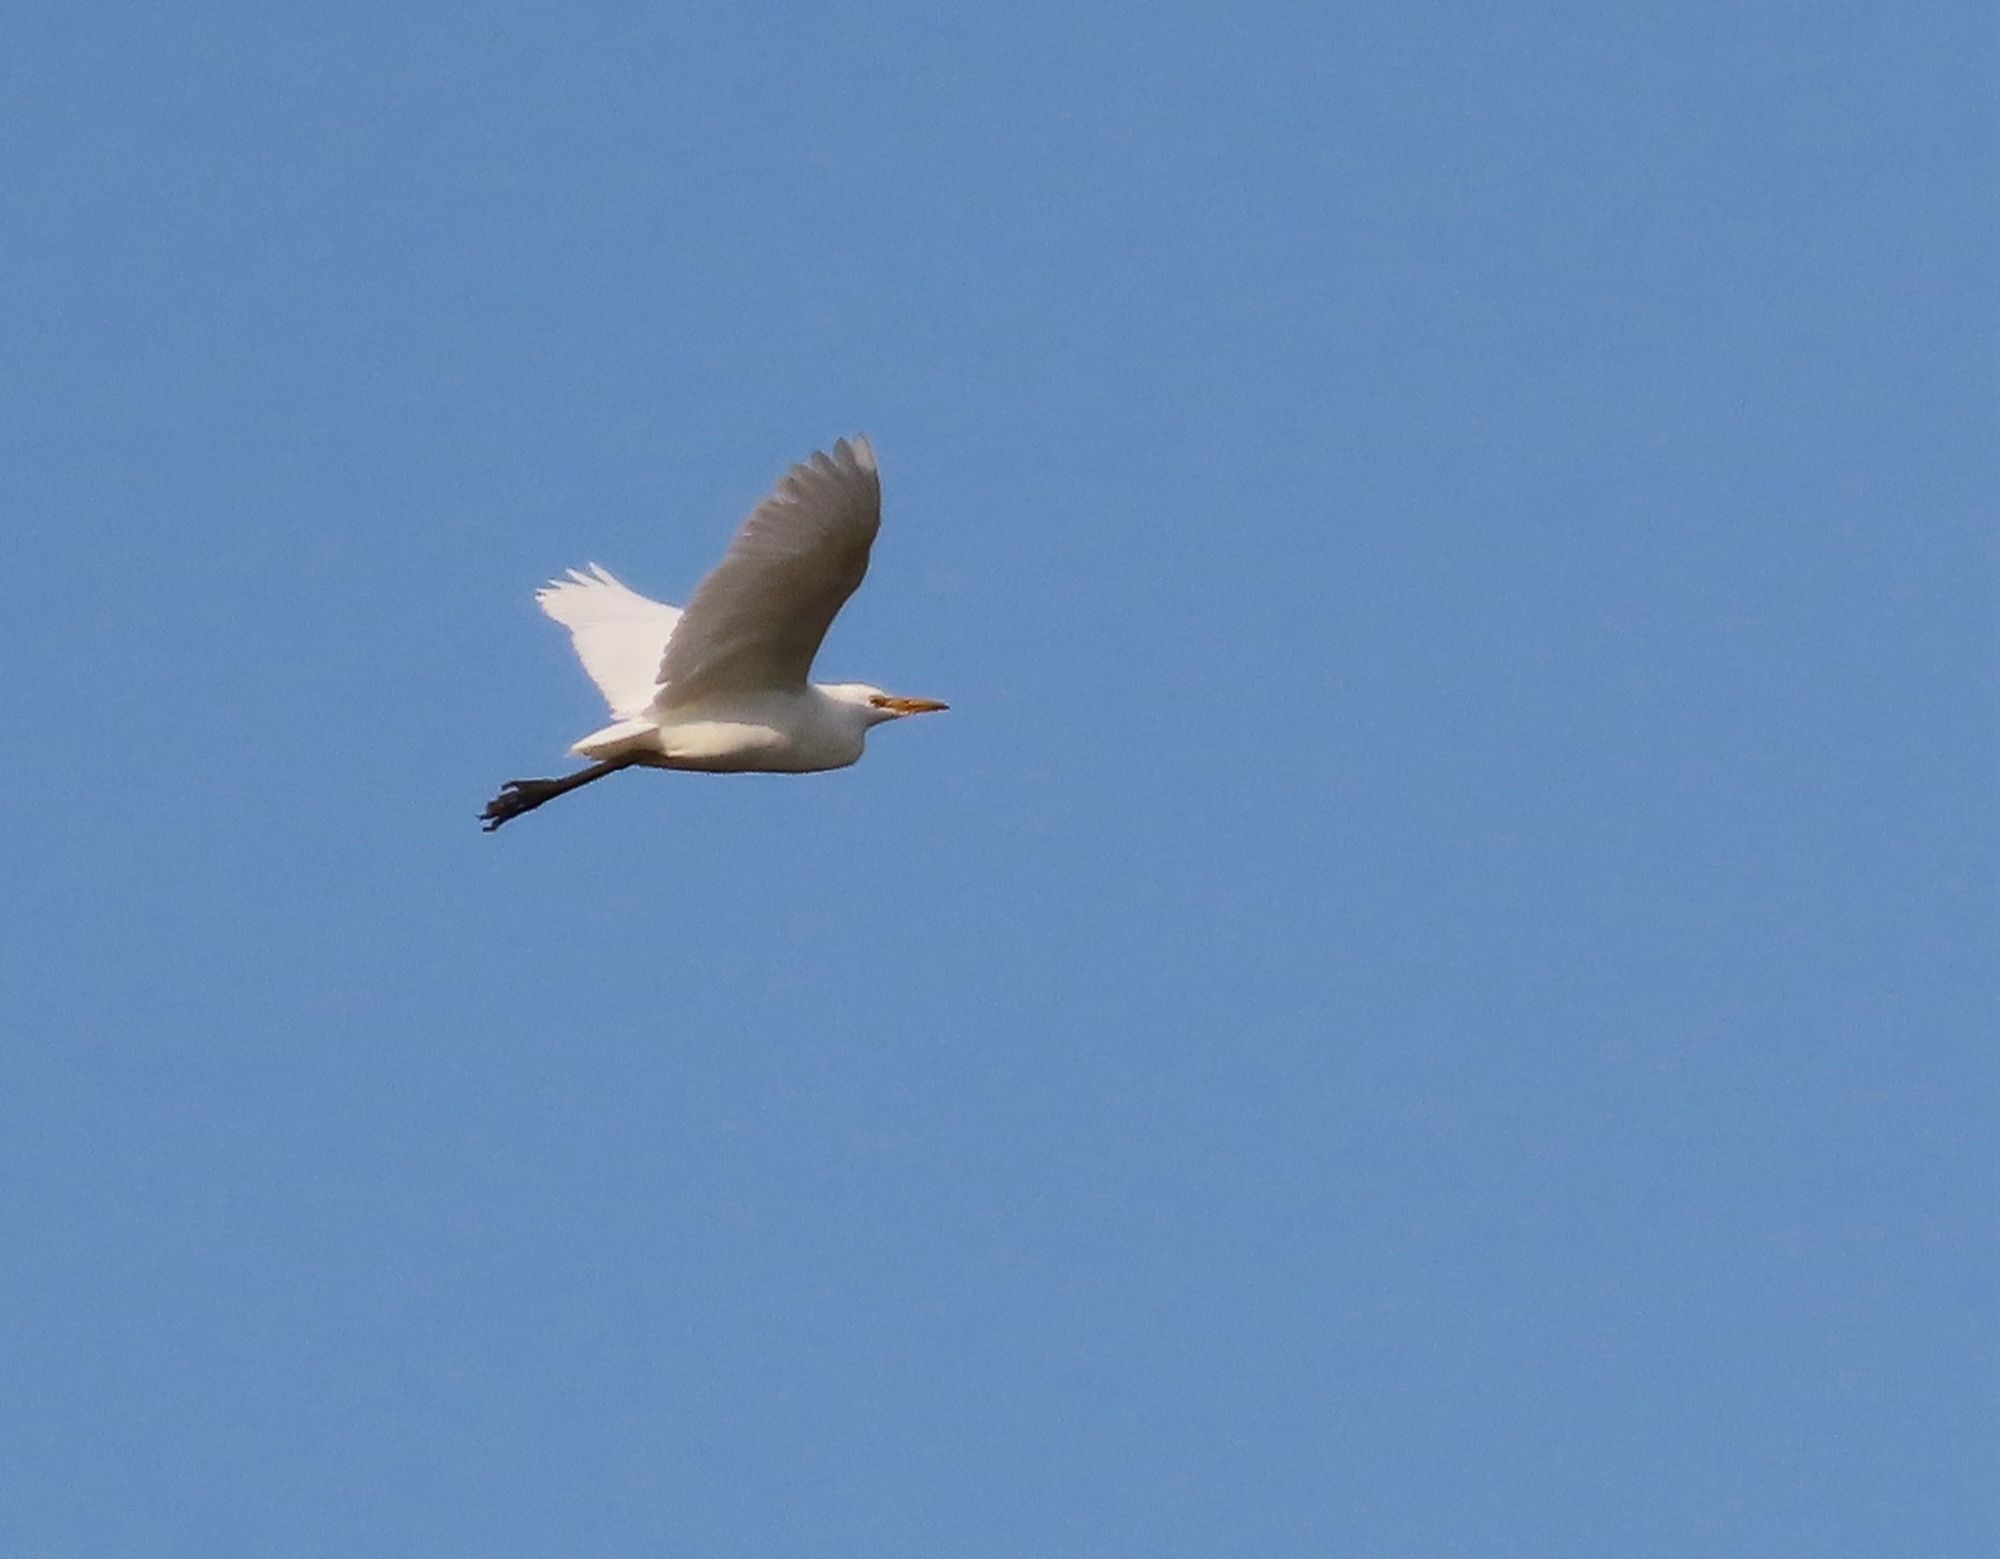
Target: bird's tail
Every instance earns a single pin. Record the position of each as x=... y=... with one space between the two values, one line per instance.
x=625 y=738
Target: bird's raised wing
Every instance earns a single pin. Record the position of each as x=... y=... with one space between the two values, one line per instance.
x=757 y=621
x=619 y=634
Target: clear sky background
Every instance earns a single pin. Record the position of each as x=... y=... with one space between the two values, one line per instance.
x=1432 y=996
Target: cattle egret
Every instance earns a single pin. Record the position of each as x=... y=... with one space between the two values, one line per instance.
x=721 y=687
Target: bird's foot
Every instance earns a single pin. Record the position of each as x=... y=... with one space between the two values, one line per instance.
x=516 y=797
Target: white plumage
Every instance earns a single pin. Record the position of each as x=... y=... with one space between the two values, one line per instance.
x=722 y=685
x=618 y=634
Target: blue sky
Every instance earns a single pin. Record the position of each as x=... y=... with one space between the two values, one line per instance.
x=1432 y=996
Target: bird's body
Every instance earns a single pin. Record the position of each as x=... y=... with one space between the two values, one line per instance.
x=780 y=731
x=721 y=687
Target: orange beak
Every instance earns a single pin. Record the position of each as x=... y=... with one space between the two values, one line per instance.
x=910 y=706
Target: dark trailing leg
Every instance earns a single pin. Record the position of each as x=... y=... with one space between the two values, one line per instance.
x=518 y=796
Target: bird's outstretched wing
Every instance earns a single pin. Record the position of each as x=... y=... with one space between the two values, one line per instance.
x=619 y=634
x=758 y=620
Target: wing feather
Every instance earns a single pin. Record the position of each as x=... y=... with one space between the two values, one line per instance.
x=619 y=635
x=758 y=619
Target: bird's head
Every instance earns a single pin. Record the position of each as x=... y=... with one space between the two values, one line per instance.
x=878 y=705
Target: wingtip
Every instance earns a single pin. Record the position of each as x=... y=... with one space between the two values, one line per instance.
x=847 y=457
x=590 y=575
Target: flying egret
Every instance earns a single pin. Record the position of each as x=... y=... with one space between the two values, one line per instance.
x=721 y=687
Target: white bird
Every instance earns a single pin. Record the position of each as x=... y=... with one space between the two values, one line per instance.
x=721 y=687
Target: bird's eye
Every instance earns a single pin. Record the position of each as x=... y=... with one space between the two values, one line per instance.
x=879 y=700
